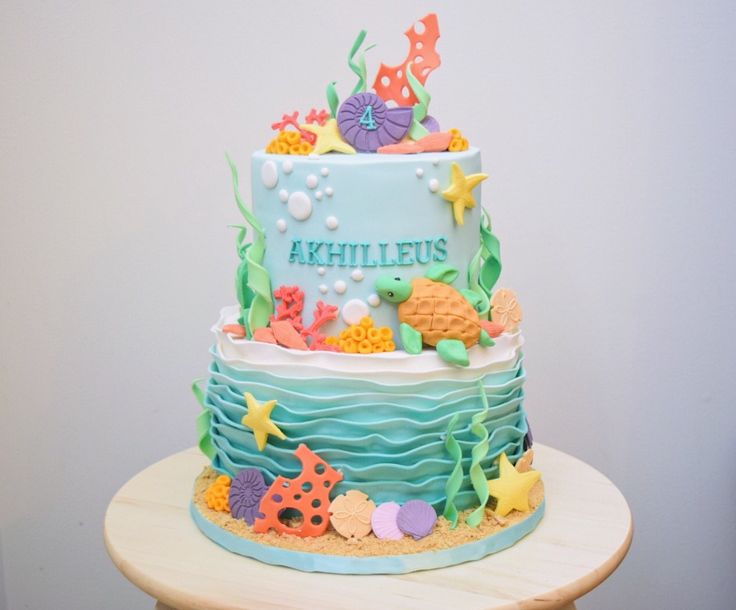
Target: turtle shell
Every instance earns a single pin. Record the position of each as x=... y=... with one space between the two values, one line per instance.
x=438 y=311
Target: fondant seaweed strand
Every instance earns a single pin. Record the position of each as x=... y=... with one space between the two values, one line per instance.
x=421 y=108
x=455 y=480
x=477 y=476
x=485 y=267
x=253 y=283
x=203 y=423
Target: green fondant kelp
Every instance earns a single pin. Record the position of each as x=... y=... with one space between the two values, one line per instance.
x=417 y=130
x=455 y=480
x=203 y=422
x=359 y=66
x=479 y=451
x=490 y=270
x=253 y=283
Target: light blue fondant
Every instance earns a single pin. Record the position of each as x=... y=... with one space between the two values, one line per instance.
x=384 y=209
x=393 y=564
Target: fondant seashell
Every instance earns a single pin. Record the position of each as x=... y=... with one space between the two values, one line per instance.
x=383 y=521
x=350 y=514
x=246 y=492
x=367 y=123
x=505 y=309
x=431 y=124
x=416 y=518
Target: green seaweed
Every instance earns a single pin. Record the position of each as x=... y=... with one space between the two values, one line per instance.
x=455 y=480
x=485 y=266
x=253 y=283
x=359 y=67
x=203 y=422
x=417 y=130
x=479 y=451
x=333 y=99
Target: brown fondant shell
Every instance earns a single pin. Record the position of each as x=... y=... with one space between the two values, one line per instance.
x=438 y=311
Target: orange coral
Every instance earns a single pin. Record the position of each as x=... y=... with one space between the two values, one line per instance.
x=289 y=143
x=364 y=338
x=458 y=142
x=217 y=495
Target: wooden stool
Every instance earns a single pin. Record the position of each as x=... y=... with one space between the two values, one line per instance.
x=585 y=534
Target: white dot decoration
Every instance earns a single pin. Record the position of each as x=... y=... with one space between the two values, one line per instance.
x=321 y=270
x=287 y=166
x=420 y=172
x=313 y=155
x=329 y=192
x=434 y=185
x=323 y=288
x=374 y=300
x=331 y=222
x=300 y=205
x=354 y=311
x=284 y=195
x=318 y=195
x=325 y=171
x=340 y=287
x=269 y=174
x=281 y=225
x=357 y=275
x=312 y=181
x=435 y=161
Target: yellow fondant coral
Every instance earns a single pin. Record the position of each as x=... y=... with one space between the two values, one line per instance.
x=364 y=338
x=289 y=143
x=217 y=495
x=458 y=142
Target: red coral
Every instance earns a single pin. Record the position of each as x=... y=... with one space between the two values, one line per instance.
x=320 y=117
x=291 y=119
x=291 y=306
x=322 y=314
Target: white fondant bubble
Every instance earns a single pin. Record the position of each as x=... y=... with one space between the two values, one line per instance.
x=284 y=195
x=300 y=205
x=287 y=166
x=281 y=225
x=312 y=181
x=340 y=287
x=329 y=192
x=331 y=222
x=354 y=311
x=435 y=161
x=321 y=270
x=318 y=195
x=269 y=174
x=374 y=300
x=323 y=288
x=313 y=155
x=357 y=275
x=325 y=171
x=420 y=172
x=434 y=185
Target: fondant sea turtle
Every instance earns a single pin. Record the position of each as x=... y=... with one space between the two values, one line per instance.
x=434 y=313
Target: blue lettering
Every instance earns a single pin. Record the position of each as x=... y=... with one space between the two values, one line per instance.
x=296 y=254
x=440 y=254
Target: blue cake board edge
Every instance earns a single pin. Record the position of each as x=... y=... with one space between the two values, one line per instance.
x=389 y=564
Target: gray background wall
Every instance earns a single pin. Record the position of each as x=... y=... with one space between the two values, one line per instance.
x=607 y=128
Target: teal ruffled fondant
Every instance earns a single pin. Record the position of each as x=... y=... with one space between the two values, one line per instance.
x=388 y=439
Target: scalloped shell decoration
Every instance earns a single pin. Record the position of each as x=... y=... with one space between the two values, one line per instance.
x=350 y=514
x=383 y=521
x=246 y=491
x=505 y=309
x=416 y=518
x=367 y=123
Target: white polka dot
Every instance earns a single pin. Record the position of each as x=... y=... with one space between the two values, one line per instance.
x=420 y=172
x=340 y=287
x=434 y=185
x=325 y=171
x=318 y=195
x=323 y=288
x=269 y=174
x=435 y=161
x=281 y=225
x=331 y=222
x=312 y=181
x=313 y=155
x=284 y=195
x=374 y=300
x=329 y=192
x=300 y=205
x=354 y=311
x=357 y=275
x=321 y=270
x=287 y=166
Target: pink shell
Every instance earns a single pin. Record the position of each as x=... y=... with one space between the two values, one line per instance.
x=416 y=518
x=383 y=521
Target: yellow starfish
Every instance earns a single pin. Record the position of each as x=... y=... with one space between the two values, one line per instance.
x=511 y=488
x=460 y=191
x=258 y=418
x=329 y=138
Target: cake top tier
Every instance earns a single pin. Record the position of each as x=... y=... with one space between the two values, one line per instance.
x=393 y=118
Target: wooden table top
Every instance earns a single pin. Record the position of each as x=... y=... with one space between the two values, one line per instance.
x=585 y=534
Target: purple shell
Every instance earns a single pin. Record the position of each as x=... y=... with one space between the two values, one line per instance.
x=416 y=518
x=432 y=125
x=246 y=492
x=384 y=126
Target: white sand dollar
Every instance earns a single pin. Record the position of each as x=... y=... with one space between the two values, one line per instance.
x=354 y=311
x=299 y=205
x=269 y=174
